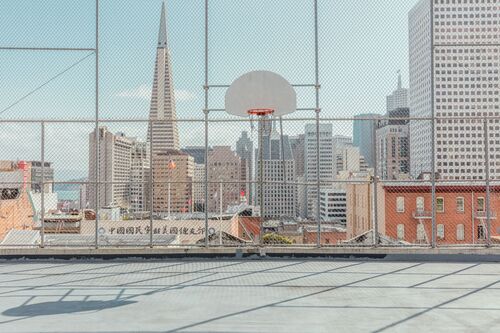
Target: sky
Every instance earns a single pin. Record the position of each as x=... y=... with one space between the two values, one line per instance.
x=362 y=45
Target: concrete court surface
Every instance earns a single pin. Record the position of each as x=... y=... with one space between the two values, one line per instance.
x=248 y=296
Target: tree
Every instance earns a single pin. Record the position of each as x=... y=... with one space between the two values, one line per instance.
x=276 y=239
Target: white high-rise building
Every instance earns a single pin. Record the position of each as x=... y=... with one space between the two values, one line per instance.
x=114 y=169
x=339 y=143
x=164 y=132
x=280 y=194
x=399 y=97
x=466 y=85
x=326 y=162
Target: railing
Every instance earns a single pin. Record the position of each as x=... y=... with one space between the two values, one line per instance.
x=484 y=215
x=419 y=214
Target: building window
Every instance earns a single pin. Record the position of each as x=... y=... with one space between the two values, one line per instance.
x=460 y=205
x=480 y=204
x=420 y=204
x=440 y=205
x=481 y=232
x=420 y=232
x=401 y=231
x=400 y=204
x=440 y=231
x=460 y=232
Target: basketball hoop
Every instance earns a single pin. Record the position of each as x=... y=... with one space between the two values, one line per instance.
x=260 y=112
x=264 y=95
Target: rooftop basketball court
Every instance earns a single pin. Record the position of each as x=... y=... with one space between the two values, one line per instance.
x=248 y=296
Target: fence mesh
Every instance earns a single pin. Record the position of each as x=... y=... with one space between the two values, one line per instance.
x=113 y=133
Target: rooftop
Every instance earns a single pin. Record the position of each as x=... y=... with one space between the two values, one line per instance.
x=248 y=296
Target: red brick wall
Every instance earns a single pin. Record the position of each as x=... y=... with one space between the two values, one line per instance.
x=450 y=218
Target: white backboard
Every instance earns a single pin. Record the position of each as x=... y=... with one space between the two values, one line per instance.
x=260 y=90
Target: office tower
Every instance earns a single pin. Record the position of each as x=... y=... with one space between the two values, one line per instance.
x=163 y=131
x=199 y=188
x=297 y=145
x=197 y=152
x=114 y=169
x=340 y=142
x=326 y=164
x=363 y=134
x=224 y=166
x=139 y=177
x=172 y=176
x=393 y=144
x=244 y=149
x=278 y=169
x=454 y=73
x=399 y=97
x=349 y=159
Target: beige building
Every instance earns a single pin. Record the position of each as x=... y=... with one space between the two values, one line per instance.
x=139 y=177
x=173 y=173
x=359 y=203
x=198 y=188
x=224 y=166
x=114 y=169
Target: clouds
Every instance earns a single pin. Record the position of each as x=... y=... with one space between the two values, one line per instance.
x=144 y=92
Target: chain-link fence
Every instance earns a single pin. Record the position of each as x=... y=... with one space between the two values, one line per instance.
x=91 y=155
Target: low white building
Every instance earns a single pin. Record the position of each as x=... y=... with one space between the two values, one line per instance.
x=333 y=205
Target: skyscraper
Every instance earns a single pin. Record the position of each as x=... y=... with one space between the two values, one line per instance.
x=244 y=149
x=460 y=78
x=393 y=144
x=163 y=131
x=114 y=169
x=340 y=142
x=326 y=163
x=139 y=177
x=363 y=134
x=173 y=173
x=224 y=166
x=279 y=195
x=298 y=149
x=398 y=98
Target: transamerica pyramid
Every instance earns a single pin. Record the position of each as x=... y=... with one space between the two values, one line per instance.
x=163 y=131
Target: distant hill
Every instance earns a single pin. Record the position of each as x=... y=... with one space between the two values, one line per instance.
x=69 y=187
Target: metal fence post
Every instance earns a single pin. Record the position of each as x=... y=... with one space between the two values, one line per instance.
x=433 y=135
x=375 y=184
x=97 y=157
x=261 y=178
x=318 y=110
x=42 y=189
x=206 y=124
x=488 y=190
x=318 y=182
x=151 y=183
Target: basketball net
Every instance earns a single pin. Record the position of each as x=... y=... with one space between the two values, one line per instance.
x=257 y=113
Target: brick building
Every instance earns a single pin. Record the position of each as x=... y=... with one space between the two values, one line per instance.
x=405 y=212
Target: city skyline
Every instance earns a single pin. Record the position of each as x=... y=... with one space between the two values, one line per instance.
x=128 y=91
x=335 y=177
